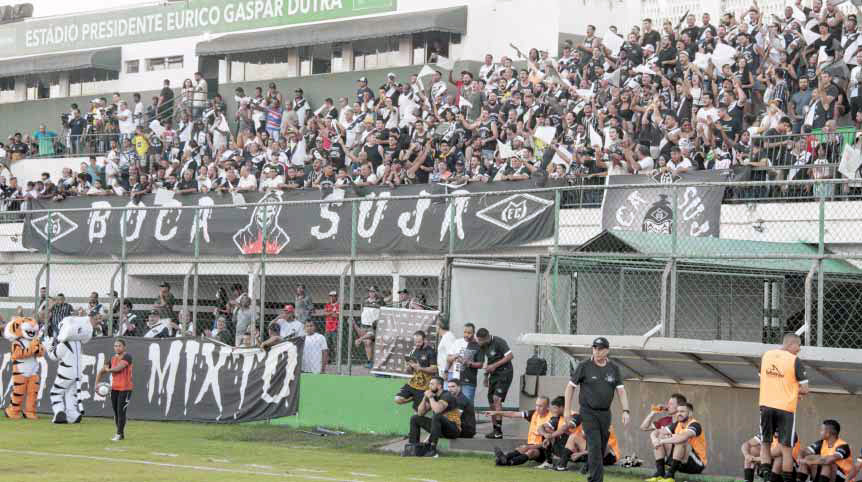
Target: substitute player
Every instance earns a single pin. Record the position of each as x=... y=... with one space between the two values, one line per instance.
x=782 y=381
x=753 y=447
x=534 y=449
x=689 y=445
x=575 y=449
x=828 y=456
x=120 y=368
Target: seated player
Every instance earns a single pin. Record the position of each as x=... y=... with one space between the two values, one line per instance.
x=661 y=416
x=575 y=449
x=422 y=362
x=830 y=456
x=688 y=454
x=751 y=453
x=554 y=432
x=445 y=419
x=533 y=450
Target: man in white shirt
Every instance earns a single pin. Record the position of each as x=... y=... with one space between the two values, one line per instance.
x=127 y=121
x=445 y=346
x=641 y=161
x=271 y=181
x=288 y=326
x=488 y=70
x=199 y=96
x=438 y=87
x=138 y=114
x=677 y=164
x=247 y=181
x=315 y=351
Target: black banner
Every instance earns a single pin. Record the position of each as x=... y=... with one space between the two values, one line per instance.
x=383 y=225
x=184 y=379
x=651 y=210
x=393 y=340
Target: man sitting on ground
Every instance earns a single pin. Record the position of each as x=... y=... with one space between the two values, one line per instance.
x=422 y=362
x=445 y=420
x=468 y=411
x=533 y=450
x=661 y=416
x=575 y=448
x=751 y=454
x=827 y=457
x=686 y=437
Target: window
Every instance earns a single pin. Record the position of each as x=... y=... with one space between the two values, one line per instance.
x=175 y=62
x=155 y=64
x=165 y=63
x=304 y=60
x=133 y=66
x=265 y=65
x=428 y=45
x=43 y=86
x=7 y=83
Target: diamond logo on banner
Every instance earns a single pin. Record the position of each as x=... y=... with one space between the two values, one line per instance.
x=514 y=211
x=56 y=223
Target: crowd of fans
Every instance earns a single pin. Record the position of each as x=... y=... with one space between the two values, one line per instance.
x=677 y=98
x=235 y=318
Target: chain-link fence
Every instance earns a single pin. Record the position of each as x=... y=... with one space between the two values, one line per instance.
x=770 y=268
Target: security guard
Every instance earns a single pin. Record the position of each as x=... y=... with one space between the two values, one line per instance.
x=595 y=380
x=782 y=380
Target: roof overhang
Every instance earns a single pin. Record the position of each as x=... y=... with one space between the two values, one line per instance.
x=452 y=20
x=103 y=59
x=710 y=362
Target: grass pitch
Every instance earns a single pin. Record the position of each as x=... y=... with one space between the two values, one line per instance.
x=166 y=451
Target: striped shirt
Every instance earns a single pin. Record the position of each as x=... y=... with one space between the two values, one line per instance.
x=58 y=312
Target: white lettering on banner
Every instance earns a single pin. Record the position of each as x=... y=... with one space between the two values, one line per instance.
x=329 y=215
x=211 y=378
x=134 y=218
x=248 y=358
x=201 y=221
x=422 y=205
x=625 y=215
x=691 y=205
x=163 y=376
x=311 y=6
x=271 y=366
x=460 y=204
x=97 y=221
x=192 y=348
x=166 y=219
x=365 y=207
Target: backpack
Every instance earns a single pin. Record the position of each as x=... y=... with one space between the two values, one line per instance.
x=536 y=366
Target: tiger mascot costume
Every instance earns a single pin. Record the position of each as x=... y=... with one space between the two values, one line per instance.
x=66 y=349
x=25 y=351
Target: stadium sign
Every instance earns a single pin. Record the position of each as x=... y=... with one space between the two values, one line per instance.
x=174 y=20
x=650 y=209
x=271 y=223
x=184 y=379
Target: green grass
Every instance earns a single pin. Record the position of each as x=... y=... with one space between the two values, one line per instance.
x=242 y=452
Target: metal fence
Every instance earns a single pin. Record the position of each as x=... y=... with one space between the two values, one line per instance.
x=775 y=268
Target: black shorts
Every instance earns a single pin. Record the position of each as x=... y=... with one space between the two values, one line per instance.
x=543 y=455
x=610 y=459
x=498 y=385
x=773 y=420
x=691 y=466
x=408 y=392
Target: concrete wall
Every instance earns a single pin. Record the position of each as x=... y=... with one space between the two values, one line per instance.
x=729 y=416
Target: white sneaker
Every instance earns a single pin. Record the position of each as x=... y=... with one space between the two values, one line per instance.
x=116 y=438
x=545 y=465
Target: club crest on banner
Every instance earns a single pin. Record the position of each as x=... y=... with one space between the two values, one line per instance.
x=263 y=226
x=514 y=211
x=57 y=224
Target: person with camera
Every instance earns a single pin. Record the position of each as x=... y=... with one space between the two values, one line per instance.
x=445 y=420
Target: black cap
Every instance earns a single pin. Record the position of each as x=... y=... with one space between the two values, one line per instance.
x=601 y=342
x=164 y=285
x=404 y=290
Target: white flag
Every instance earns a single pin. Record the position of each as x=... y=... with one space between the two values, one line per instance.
x=426 y=71
x=723 y=55
x=612 y=41
x=851 y=159
x=613 y=78
x=822 y=56
x=463 y=102
x=807 y=34
x=506 y=151
x=445 y=63
x=595 y=138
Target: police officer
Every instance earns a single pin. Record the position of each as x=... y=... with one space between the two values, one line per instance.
x=596 y=379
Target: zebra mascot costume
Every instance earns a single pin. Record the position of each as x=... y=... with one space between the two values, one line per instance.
x=74 y=331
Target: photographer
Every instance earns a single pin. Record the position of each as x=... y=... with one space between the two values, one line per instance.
x=445 y=420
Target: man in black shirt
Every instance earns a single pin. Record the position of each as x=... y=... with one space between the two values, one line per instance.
x=77 y=124
x=468 y=411
x=165 y=109
x=498 y=374
x=445 y=419
x=596 y=380
x=422 y=362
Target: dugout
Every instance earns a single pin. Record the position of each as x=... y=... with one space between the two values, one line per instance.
x=625 y=283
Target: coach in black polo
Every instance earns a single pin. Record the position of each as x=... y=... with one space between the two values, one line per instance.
x=596 y=379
